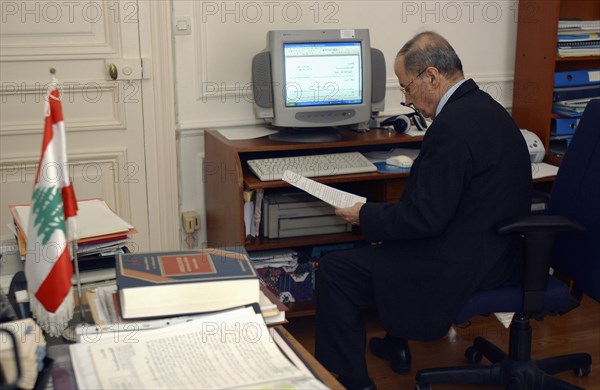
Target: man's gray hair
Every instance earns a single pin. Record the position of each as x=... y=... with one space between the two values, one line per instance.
x=430 y=49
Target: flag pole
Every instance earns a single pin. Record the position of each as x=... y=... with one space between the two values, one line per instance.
x=72 y=235
x=74 y=249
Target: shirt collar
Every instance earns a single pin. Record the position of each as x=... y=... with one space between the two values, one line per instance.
x=447 y=95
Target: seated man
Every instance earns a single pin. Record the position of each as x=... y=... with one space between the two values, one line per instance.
x=439 y=244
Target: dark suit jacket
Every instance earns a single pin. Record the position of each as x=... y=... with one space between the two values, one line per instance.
x=440 y=242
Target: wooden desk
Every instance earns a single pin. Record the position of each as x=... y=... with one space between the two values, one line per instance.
x=226 y=177
x=320 y=372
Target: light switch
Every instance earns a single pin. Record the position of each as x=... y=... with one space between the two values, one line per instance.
x=182 y=25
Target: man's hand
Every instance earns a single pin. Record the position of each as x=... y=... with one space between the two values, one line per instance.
x=350 y=214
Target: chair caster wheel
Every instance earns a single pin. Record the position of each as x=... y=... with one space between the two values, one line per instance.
x=583 y=371
x=422 y=386
x=473 y=355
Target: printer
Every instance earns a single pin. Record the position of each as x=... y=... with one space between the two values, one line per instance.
x=295 y=214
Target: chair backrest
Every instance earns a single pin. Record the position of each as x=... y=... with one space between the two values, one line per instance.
x=576 y=195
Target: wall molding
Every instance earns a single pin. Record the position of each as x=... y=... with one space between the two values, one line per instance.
x=500 y=86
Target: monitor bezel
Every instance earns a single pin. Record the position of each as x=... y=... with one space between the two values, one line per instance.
x=285 y=116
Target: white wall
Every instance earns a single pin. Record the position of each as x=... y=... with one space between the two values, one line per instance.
x=213 y=62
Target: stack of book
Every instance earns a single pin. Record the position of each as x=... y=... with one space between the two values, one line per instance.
x=577 y=38
x=572 y=92
x=155 y=290
x=102 y=233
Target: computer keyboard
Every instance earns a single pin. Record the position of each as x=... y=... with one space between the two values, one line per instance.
x=268 y=169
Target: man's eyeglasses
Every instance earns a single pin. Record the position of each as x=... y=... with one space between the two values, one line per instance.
x=406 y=90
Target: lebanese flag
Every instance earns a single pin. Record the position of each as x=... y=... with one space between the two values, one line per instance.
x=48 y=267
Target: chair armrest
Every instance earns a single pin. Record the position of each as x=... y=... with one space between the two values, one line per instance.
x=539 y=233
x=543 y=224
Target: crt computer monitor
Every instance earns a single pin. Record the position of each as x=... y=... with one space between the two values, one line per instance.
x=308 y=81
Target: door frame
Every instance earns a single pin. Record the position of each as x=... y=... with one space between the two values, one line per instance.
x=156 y=46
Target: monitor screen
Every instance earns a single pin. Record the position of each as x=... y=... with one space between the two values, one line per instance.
x=316 y=80
x=322 y=73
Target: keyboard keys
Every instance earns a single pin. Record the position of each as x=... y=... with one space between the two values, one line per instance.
x=311 y=165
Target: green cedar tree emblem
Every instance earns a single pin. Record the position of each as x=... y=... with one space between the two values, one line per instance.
x=48 y=212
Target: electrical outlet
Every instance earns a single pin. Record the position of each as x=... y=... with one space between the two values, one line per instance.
x=190 y=221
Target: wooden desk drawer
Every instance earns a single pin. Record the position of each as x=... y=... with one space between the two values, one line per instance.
x=393 y=189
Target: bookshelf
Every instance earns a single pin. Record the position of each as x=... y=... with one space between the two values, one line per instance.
x=226 y=177
x=536 y=61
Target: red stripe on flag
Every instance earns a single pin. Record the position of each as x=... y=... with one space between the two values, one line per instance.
x=55 y=106
x=47 y=138
x=69 y=201
x=55 y=115
x=57 y=284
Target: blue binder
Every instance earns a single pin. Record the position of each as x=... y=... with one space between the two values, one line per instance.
x=576 y=77
x=564 y=126
x=580 y=92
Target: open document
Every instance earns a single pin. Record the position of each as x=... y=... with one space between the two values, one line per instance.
x=233 y=349
x=337 y=198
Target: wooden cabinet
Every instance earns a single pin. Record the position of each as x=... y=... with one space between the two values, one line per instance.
x=227 y=176
x=536 y=60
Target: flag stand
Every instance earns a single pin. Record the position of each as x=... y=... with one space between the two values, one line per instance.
x=70 y=333
x=78 y=280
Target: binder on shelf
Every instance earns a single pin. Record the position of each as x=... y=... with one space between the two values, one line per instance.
x=576 y=77
x=578 y=92
x=564 y=126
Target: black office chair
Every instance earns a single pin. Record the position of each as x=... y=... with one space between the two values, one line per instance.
x=575 y=209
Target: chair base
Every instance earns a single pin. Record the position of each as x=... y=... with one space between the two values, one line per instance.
x=504 y=370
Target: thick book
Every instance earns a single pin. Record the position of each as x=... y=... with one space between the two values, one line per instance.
x=162 y=284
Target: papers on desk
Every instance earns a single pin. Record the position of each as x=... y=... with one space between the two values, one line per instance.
x=330 y=195
x=539 y=170
x=231 y=349
x=274 y=258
